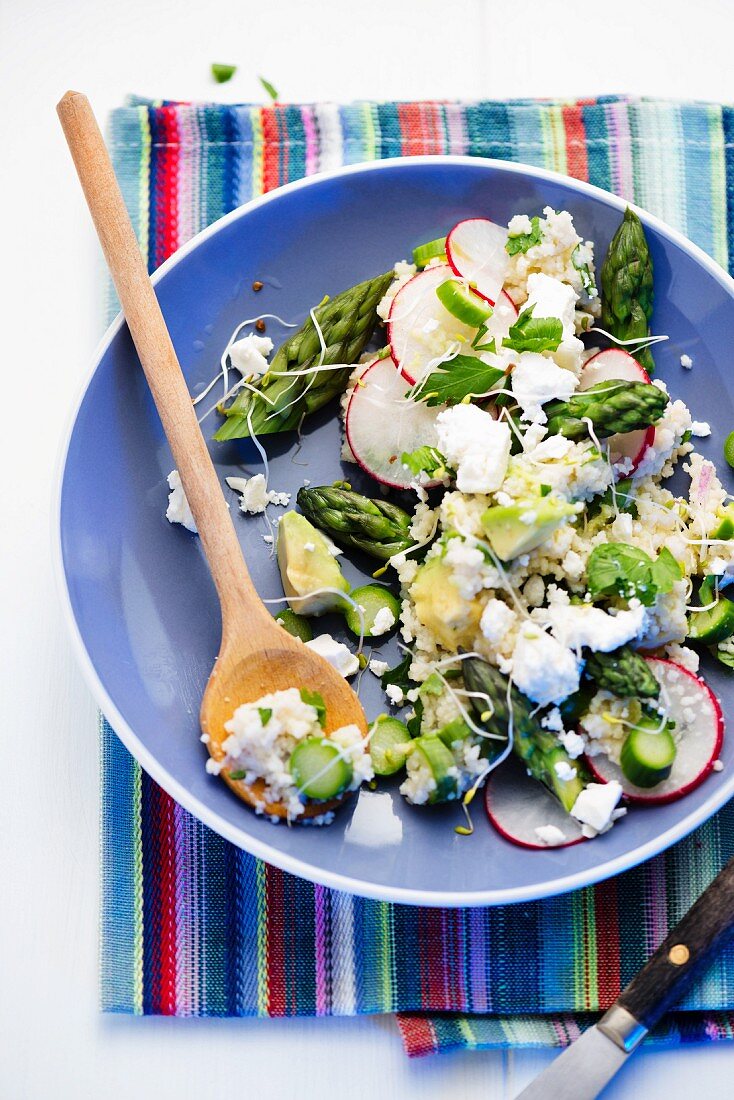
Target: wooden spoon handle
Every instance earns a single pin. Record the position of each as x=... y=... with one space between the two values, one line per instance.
x=158 y=358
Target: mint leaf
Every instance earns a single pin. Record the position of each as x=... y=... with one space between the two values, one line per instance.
x=665 y=571
x=265 y=713
x=425 y=460
x=587 y=279
x=616 y=569
x=223 y=73
x=534 y=333
x=463 y=376
x=523 y=241
x=269 y=88
x=398 y=676
x=315 y=699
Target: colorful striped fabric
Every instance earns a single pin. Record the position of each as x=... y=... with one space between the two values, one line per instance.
x=193 y=926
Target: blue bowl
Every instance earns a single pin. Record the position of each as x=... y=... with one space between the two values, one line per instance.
x=140 y=603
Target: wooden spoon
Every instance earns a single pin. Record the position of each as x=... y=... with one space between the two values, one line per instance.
x=257 y=655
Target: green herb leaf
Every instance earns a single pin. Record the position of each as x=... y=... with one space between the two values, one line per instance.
x=265 y=713
x=534 y=333
x=621 y=494
x=545 y=490
x=398 y=676
x=269 y=88
x=463 y=376
x=315 y=699
x=414 y=722
x=426 y=460
x=616 y=569
x=223 y=73
x=523 y=241
x=587 y=279
x=237 y=775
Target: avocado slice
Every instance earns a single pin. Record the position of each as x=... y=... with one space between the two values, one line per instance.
x=306 y=565
x=441 y=608
x=519 y=528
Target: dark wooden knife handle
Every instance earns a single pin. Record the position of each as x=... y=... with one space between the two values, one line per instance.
x=685 y=951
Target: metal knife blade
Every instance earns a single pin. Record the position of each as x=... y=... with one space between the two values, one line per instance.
x=581 y=1072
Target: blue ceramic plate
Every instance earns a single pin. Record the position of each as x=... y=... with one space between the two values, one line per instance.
x=138 y=597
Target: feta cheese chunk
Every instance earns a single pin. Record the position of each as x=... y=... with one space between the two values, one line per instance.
x=255 y=495
x=249 y=355
x=178 y=510
x=395 y=694
x=384 y=621
x=336 y=653
x=476 y=445
x=379 y=668
x=542 y=668
x=596 y=804
x=497 y=620
x=564 y=771
x=686 y=362
x=577 y=625
x=573 y=743
x=550 y=835
x=537 y=379
x=551 y=298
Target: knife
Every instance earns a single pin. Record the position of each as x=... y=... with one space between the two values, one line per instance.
x=587 y=1066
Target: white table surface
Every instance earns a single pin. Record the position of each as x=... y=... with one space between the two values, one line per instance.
x=53 y=1040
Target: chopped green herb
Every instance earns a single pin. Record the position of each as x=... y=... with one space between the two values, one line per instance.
x=534 y=333
x=687 y=436
x=269 y=88
x=587 y=279
x=459 y=378
x=223 y=73
x=523 y=241
x=414 y=722
x=315 y=699
x=426 y=460
x=265 y=713
x=545 y=489
x=237 y=775
x=615 y=569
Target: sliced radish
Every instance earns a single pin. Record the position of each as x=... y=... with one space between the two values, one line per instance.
x=607 y=366
x=476 y=251
x=421 y=331
x=382 y=422
x=517 y=805
x=698 y=734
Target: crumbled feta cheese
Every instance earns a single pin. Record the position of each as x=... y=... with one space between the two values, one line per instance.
x=384 y=621
x=178 y=510
x=536 y=380
x=395 y=694
x=578 y=625
x=551 y=298
x=553 y=720
x=497 y=620
x=573 y=743
x=564 y=771
x=686 y=362
x=404 y=272
x=596 y=804
x=519 y=226
x=255 y=495
x=379 y=668
x=336 y=653
x=268 y=540
x=249 y=355
x=542 y=668
x=550 y=835
x=468 y=567
x=700 y=428
x=476 y=446
x=717 y=766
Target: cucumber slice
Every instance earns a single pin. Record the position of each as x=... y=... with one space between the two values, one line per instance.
x=373 y=598
x=716 y=624
x=463 y=303
x=318 y=769
x=388 y=742
x=295 y=624
x=430 y=750
x=647 y=756
x=432 y=250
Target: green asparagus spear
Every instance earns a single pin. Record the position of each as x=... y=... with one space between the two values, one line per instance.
x=376 y=527
x=623 y=672
x=538 y=748
x=282 y=397
x=627 y=287
x=611 y=407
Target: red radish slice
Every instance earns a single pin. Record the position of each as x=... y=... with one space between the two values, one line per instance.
x=610 y=365
x=421 y=331
x=475 y=248
x=382 y=422
x=517 y=805
x=699 y=734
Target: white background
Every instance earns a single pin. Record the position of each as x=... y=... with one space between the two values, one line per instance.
x=53 y=1041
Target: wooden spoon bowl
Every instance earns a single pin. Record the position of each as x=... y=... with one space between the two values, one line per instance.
x=257 y=656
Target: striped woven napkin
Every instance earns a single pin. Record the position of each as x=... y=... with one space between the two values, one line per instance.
x=191 y=925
